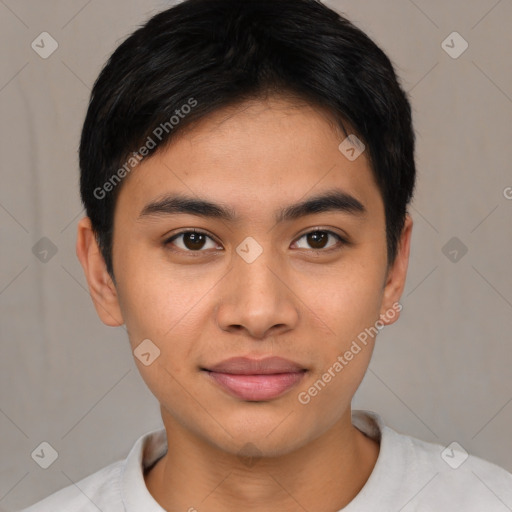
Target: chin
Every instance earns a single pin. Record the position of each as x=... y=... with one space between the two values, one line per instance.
x=270 y=435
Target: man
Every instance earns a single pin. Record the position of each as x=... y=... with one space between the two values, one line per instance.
x=246 y=167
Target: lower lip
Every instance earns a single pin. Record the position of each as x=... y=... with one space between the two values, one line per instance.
x=257 y=387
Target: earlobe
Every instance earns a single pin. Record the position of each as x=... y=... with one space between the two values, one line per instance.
x=102 y=289
x=395 y=281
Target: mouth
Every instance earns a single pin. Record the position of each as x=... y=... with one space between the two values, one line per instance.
x=256 y=380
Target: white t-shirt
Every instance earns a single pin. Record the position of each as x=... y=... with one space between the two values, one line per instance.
x=409 y=475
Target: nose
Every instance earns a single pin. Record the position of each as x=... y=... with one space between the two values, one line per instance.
x=258 y=298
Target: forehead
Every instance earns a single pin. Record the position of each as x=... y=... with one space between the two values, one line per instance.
x=255 y=157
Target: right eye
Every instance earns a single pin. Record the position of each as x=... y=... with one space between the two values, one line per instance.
x=192 y=240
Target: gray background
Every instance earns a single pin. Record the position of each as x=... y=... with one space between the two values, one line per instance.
x=442 y=373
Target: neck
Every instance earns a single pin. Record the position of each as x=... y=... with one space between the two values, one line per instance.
x=325 y=474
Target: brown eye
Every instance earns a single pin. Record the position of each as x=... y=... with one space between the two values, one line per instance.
x=318 y=239
x=191 y=241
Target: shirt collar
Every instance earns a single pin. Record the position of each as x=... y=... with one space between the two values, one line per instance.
x=153 y=445
x=146 y=451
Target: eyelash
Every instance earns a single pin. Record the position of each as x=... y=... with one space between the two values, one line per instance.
x=341 y=241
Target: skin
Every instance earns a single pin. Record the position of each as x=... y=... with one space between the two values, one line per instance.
x=291 y=302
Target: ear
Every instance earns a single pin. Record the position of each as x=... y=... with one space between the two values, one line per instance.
x=101 y=287
x=395 y=278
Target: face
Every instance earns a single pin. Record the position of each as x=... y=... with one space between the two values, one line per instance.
x=261 y=280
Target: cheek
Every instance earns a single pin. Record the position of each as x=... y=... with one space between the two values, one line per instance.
x=345 y=300
x=344 y=309
x=169 y=311
x=155 y=309
x=155 y=299
x=327 y=394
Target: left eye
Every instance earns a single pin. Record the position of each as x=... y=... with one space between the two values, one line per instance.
x=194 y=241
x=319 y=238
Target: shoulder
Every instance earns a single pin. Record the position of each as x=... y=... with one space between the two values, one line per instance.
x=114 y=486
x=98 y=491
x=416 y=475
x=449 y=476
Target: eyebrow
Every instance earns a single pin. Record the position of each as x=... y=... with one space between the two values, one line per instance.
x=332 y=200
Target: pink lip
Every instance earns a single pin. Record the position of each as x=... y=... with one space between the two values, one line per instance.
x=256 y=380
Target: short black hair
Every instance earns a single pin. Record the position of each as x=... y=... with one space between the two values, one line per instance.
x=203 y=55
